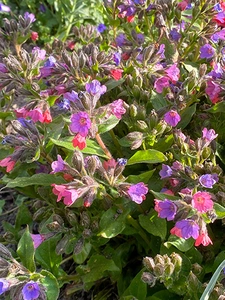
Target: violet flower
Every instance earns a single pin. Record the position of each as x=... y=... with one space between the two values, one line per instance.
x=4 y=285
x=30 y=16
x=209 y=135
x=185 y=229
x=31 y=291
x=165 y=172
x=95 y=88
x=208 y=180
x=4 y=8
x=172 y=118
x=166 y=209
x=137 y=192
x=81 y=123
x=207 y=51
x=101 y=28
x=58 y=165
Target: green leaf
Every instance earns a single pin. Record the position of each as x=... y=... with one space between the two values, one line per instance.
x=112 y=223
x=2 y=203
x=46 y=255
x=4 y=115
x=162 y=196
x=143 y=177
x=36 y=179
x=23 y=217
x=25 y=250
x=158 y=101
x=186 y=116
x=137 y=288
x=220 y=210
x=111 y=84
x=217 y=108
x=180 y=243
x=153 y=224
x=51 y=99
x=191 y=66
x=150 y=156
x=51 y=285
x=82 y=256
x=97 y=266
x=109 y=124
x=92 y=147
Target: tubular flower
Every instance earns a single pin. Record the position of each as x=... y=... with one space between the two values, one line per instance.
x=185 y=229
x=166 y=209
x=31 y=291
x=70 y=195
x=79 y=141
x=137 y=192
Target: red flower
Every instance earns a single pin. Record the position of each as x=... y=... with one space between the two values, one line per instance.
x=116 y=74
x=79 y=141
x=34 y=36
x=8 y=163
x=130 y=19
x=47 y=116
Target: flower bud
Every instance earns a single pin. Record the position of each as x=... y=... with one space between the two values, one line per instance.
x=133 y=111
x=142 y=125
x=85 y=219
x=61 y=246
x=54 y=226
x=149 y=263
x=148 y=278
x=159 y=270
x=79 y=246
x=78 y=160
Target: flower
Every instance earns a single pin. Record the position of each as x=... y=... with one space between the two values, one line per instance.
x=208 y=180
x=172 y=118
x=30 y=16
x=40 y=53
x=117 y=58
x=81 y=123
x=4 y=8
x=37 y=239
x=70 y=195
x=185 y=229
x=116 y=73
x=173 y=73
x=213 y=90
x=79 y=141
x=207 y=51
x=175 y=35
x=203 y=237
x=117 y=108
x=161 y=83
x=95 y=88
x=209 y=135
x=31 y=291
x=137 y=192
x=165 y=172
x=8 y=163
x=4 y=285
x=3 y=68
x=34 y=35
x=202 y=202
x=101 y=28
x=37 y=114
x=121 y=40
x=58 y=165
x=166 y=209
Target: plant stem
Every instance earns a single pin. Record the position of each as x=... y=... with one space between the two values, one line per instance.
x=141 y=232
x=103 y=146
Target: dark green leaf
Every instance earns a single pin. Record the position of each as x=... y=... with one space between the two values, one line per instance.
x=25 y=251
x=143 y=177
x=82 y=256
x=217 y=108
x=23 y=217
x=186 y=116
x=162 y=196
x=137 y=288
x=51 y=284
x=180 y=243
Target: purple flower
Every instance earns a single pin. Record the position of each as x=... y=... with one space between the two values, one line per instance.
x=72 y=96
x=101 y=28
x=117 y=58
x=42 y=8
x=217 y=71
x=50 y=62
x=4 y=8
x=40 y=53
x=208 y=180
x=166 y=209
x=209 y=135
x=121 y=40
x=207 y=51
x=186 y=229
x=31 y=291
x=4 y=285
x=175 y=35
x=161 y=51
x=3 y=68
x=30 y=16
x=137 y=192
x=81 y=123
x=140 y=38
x=95 y=88
x=122 y=161
x=64 y=104
x=58 y=165
x=218 y=7
x=172 y=118
x=173 y=72
x=161 y=83
x=165 y=172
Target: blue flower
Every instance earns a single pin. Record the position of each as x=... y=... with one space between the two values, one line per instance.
x=4 y=285
x=101 y=28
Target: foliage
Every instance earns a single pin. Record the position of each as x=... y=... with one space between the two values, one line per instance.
x=113 y=136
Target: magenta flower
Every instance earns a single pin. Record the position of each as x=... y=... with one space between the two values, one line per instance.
x=71 y=96
x=203 y=237
x=8 y=163
x=137 y=192
x=81 y=123
x=70 y=195
x=117 y=108
x=95 y=88
x=31 y=291
x=165 y=172
x=166 y=209
x=207 y=51
x=161 y=83
x=172 y=118
x=185 y=229
x=3 y=68
x=58 y=165
x=202 y=202
x=4 y=285
x=209 y=135
x=38 y=239
x=208 y=180
x=173 y=73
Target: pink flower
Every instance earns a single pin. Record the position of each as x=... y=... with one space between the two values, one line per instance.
x=202 y=202
x=70 y=195
x=58 y=190
x=203 y=239
x=21 y=112
x=173 y=73
x=182 y=5
x=172 y=118
x=79 y=141
x=209 y=135
x=8 y=163
x=81 y=123
x=117 y=108
x=47 y=118
x=161 y=83
x=213 y=90
x=34 y=35
x=116 y=74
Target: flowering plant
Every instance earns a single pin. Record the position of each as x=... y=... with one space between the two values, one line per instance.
x=115 y=138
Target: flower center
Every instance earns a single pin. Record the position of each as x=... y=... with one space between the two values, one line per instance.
x=82 y=121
